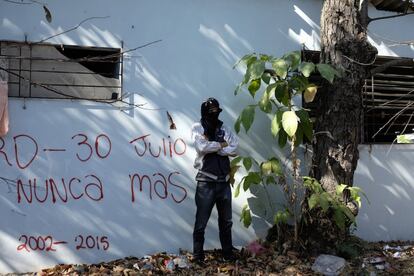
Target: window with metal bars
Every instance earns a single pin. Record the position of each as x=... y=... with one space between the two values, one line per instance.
x=388 y=101
x=43 y=70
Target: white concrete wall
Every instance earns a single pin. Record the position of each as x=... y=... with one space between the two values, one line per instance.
x=386 y=175
x=200 y=43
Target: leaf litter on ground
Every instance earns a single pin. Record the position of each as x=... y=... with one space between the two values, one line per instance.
x=377 y=258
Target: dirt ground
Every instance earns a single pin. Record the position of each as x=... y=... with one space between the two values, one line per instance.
x=393 y=258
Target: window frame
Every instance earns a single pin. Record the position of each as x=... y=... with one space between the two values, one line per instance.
x=42 y=70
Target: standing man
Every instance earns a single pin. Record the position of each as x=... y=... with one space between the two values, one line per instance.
x=214 y=143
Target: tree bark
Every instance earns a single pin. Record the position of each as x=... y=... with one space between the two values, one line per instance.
x=338 y=126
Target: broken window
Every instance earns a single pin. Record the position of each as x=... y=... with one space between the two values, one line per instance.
x=62 y=71
x=388 y=102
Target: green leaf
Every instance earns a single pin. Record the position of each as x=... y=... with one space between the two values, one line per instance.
x=312 y=184
x=270 y=89
x=254 y=177
x=254 y=86
x=281 y=217
x=306 y=123
x=324 y=201
x=355 y=191
x=247 y=163
x=247 y=219
x=247 y=117
x=271 y=166
x=235 y=161
x=246 y=183
x=290 y=122
x=265 y=57
x=251 y=178
x=276 y=167
x=298 y=83
x=327 y=71
x=246 y=59
x=247 y=77
x=237 y=124
x=266 y=78
x=281 y=67
x=264 y=104
x=293 y=59
x=340 y=189
x=251 y=60
x=282 y=93
x=266 y=168
x=339 y=219
x=276 y=123
x=246 y=216
x=237 y=190
x=298 y=136
x=282 y=138
x=256 y=69
x=313 y=201
x=306 y=68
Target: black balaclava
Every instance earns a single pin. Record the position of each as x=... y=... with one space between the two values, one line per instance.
x=210 y=111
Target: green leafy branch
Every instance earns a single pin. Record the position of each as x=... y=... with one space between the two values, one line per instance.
x=328 y=202
x=281 y=79
x=265 y=173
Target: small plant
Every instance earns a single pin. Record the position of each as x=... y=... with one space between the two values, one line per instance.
x=328 y=202
x=273 y=83
x=266 y=173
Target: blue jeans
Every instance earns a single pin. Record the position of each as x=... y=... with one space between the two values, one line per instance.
x=208 y=194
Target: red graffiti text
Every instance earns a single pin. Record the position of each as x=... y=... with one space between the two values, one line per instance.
x=167 y=147
x=90 y=187
x=92 y=242
x=160 y=185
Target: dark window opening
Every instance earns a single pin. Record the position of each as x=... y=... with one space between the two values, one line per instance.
x=102 y=61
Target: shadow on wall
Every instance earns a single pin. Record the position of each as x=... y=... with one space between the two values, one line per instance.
x=200 y=44
x=386 y=177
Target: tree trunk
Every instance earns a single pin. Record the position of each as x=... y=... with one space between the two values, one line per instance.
x=338 y=126
x=339 y=116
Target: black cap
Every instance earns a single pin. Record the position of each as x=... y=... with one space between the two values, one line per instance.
x=210 y=106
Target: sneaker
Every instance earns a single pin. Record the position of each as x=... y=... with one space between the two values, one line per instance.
x=229 y=257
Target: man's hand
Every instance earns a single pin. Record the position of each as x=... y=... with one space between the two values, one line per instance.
x=223 y=144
